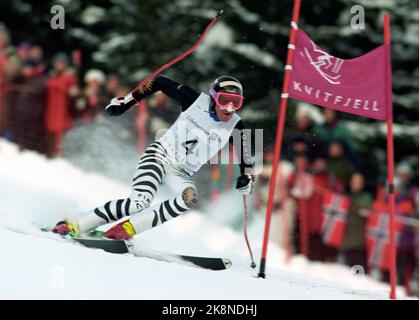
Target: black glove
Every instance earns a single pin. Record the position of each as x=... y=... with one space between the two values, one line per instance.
x=245 y=183
x=119 y=105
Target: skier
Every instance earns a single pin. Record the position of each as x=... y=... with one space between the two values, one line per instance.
x=204 y=127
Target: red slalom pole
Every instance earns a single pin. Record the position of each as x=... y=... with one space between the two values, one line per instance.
x=390 y=156
x=279 y=132
x=183 y=55
x=285 y=223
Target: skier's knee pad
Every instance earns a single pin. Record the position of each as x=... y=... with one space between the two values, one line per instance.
x=190 y=197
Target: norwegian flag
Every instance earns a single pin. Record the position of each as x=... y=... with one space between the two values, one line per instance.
x=335 y=209
x=378 y=239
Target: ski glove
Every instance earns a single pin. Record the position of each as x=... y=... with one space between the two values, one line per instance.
x=119 y=105
x=245 y=183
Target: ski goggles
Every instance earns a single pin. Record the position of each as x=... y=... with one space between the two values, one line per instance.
x=227 y=101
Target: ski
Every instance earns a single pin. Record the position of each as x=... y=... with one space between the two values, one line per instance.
x=123 y=246
x=126 y=246
x=111 y=246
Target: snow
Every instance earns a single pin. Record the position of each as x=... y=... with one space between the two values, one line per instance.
x=83 y=34
x=114 y=42
x=222 y=36
x=92 y=15
x=385 y=4
x=257 y=55
x=414 y=15
x=411 y=35
x=35 y=191
x=253 y=18
x=364 y=132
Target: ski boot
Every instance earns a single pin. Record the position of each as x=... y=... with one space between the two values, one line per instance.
x=122 y=231
x=67 y=228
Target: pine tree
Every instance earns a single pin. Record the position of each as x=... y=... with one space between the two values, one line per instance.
x=133 y=38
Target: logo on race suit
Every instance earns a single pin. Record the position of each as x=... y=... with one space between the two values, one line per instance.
x=325 y=64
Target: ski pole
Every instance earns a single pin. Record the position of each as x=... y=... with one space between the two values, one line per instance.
x=246 y=216
x=183 y=55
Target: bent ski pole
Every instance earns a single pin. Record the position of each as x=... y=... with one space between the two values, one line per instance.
x=183 y=55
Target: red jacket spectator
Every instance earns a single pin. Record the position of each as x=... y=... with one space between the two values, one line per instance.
x=58 y=102
x=308 y=190
x=29 y=108
x=61 y=91
x=321 y=182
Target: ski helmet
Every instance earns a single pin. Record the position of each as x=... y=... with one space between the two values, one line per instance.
x=226 y=84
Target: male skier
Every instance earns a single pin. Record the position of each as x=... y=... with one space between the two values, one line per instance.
x=204 y=127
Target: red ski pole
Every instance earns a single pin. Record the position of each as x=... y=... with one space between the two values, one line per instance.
x=183 y=55
x=246 y=218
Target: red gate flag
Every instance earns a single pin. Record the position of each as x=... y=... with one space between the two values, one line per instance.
x=335 y=209
x=353 y=85
x=360 y=86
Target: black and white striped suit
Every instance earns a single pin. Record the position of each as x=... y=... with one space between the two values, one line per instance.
x=154 y=168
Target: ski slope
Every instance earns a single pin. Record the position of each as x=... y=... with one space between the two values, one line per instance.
x=35 y=191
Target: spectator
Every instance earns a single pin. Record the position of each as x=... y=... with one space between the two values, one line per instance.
x=23 y=51
x=36 y=54
x=9 y=67
x=114 y=87
x=333 y=129
x=7 y=54
x=282 y=211
x=405 y=207
x=91 y=97
x=300 y=140
x=61 y=90
x=161 y=112
x=405 y=234
x=262 y=192
x=404 y=183
x=322 y=180
x=94 y=79
x=339 y=163
x=4 y=40
x=415 y=288
x=29 y=105
x=414 y=191
x=353 y=244
x=300 y=187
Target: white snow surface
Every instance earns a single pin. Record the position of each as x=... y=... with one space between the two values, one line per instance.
x=35 y=191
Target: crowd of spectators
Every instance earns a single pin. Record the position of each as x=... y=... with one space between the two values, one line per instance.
x=41 y=98
x=324 y=209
